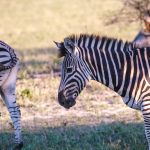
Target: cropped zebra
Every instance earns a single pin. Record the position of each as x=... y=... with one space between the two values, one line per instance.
x=8 y=73
x=112 y=62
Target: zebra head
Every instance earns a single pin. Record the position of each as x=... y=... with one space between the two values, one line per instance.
x=74 y=73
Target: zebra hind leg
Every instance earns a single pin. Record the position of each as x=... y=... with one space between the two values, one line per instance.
x=14 y=111
x=8 y=93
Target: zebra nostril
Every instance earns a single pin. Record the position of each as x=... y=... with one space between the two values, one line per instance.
x=74 y=95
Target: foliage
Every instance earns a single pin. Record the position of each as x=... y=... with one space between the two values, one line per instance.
x=131 y=11
x=26 y=93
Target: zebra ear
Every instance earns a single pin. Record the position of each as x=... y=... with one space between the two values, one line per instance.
x=62 y=51
x=59 y=45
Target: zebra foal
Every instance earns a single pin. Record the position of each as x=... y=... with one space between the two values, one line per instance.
x=8 y=74
x=117 y=65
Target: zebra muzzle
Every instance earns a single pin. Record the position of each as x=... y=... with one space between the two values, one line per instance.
x=67 y=103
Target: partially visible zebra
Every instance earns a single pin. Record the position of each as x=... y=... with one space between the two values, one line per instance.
x=8 y=74
x=117 y=65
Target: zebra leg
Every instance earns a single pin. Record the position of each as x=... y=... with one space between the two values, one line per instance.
x=146 y=115
x=8 y=94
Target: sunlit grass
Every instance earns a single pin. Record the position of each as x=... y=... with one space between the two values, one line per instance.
x=36 y=24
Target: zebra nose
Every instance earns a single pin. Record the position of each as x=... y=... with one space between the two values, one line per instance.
x=67 y=103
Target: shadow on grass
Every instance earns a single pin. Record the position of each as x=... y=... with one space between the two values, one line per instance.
x=114 y=136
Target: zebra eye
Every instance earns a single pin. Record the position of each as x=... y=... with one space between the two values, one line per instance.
x=69 y=70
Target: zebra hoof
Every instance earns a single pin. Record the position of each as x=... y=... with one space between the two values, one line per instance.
x=18 y=146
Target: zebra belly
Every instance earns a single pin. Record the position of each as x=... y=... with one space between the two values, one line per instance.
x=132 y=103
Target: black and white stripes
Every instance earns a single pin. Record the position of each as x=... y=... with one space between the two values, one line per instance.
x=8 y=57
x=8 y=74
x=116 y=64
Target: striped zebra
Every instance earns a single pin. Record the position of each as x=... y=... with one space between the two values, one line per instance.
x=116 y=64
x=8 y=73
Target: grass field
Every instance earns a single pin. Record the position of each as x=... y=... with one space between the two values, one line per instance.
x=100 y=120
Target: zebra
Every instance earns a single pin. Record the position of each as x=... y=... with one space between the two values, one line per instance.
x=8 y=73
x=118 y=65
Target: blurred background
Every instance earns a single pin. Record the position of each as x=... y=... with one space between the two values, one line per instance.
x=100 y=120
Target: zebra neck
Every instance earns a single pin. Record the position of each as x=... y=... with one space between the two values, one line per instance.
x=106 y=62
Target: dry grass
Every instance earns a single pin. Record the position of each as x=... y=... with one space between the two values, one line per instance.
x=96 y=104
x=36 y=24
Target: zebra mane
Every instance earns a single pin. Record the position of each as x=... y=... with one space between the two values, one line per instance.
x=74 y=38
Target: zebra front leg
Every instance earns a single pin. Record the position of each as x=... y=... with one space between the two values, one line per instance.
x=146 y=116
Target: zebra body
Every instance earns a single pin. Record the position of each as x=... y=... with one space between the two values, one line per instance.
x=8 y=75
x=117 y=65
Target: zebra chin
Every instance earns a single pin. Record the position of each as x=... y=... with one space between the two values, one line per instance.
x=67 y=103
